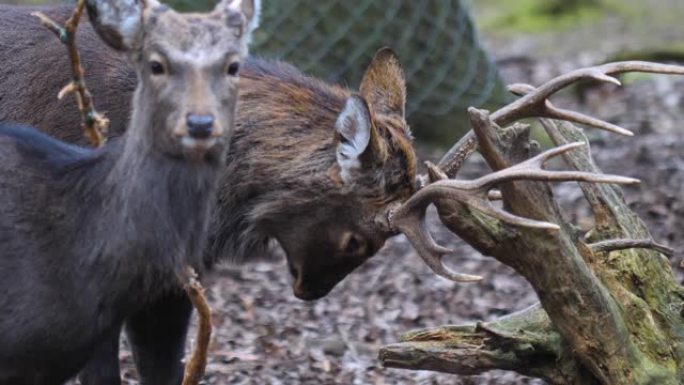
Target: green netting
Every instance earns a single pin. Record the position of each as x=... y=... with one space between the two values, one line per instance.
x=446 y=68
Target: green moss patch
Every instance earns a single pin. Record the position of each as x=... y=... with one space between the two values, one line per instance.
x=541 y=15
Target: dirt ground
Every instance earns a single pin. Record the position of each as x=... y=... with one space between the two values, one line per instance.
x=265 y=336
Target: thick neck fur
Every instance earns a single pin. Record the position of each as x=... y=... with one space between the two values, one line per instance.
x=154 y=205
x=280 y=158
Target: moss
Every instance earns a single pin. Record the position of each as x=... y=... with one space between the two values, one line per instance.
x=541 y=15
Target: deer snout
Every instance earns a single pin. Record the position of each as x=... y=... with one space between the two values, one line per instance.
x=200 y=126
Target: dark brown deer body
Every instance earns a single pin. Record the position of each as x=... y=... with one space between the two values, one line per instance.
x=300 y=169
x=88 y=237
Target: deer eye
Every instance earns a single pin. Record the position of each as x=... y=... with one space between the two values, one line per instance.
x=157 y=67
x=353 y=245
x=233 y=69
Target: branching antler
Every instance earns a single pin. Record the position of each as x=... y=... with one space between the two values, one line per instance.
x=410 y=217
x=535 y=104
x=94 y=124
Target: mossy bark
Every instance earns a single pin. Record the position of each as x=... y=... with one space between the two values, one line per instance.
x=614 y=317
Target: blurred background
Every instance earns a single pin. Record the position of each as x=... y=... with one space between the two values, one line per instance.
x=456 y=54
x=450 y=64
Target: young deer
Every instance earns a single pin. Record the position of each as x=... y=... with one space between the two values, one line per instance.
x=88 y=237
x=311 y=166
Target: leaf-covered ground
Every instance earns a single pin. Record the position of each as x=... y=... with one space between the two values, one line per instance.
x=265 y=336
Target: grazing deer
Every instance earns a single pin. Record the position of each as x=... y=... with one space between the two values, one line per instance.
x=311 y=165
x=88 y=237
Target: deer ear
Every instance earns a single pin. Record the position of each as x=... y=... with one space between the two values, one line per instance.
x=383 y=85
x=353 y=131
x=243 y=14
x=119 y=23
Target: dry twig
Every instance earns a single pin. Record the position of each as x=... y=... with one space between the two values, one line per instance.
x=94 y=124
x=196 y=365
x=623 y=244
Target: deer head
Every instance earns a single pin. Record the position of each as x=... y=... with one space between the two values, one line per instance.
x=328 y=233
x=187 y=66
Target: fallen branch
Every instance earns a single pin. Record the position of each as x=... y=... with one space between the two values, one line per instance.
x=197 y=364
x=94 y=124
x=524 y=342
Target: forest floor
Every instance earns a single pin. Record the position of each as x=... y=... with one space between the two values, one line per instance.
x=264 y=336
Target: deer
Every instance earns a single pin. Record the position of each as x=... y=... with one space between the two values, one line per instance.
x=310 y=163
x=90 y=236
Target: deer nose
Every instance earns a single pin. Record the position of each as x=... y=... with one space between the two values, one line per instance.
x=200 y=126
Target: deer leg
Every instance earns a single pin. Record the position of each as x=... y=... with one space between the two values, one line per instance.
x=103 y=367
x=157 y=336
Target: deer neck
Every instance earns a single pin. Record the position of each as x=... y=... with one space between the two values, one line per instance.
x=154 y=208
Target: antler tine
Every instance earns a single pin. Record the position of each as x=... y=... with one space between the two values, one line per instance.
x=531 y=169
x=553 y=112
x=409 y=219
x=486 y=207
x=579 y=118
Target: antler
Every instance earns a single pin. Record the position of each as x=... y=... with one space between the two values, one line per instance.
x=535 y=104
x=409 y=218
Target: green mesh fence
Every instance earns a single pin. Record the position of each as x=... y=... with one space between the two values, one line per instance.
x=446 y=68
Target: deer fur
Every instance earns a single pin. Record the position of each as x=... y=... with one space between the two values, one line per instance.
x=311 y=165
x=88 y=237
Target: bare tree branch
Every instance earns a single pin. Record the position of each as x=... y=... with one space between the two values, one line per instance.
x=617 y=317
x=524 y=342
x=94 y=124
